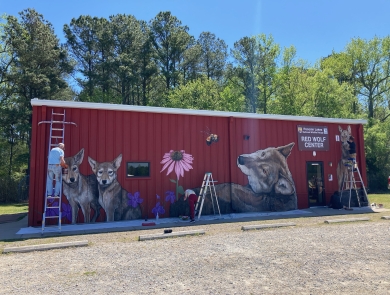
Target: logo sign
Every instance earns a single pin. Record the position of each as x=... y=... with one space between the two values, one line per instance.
x=313 y=138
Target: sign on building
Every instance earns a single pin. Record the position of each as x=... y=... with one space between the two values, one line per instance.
x=313 y=138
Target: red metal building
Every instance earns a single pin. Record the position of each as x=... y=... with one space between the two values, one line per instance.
x=143 y=135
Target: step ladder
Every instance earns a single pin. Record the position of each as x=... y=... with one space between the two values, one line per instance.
x=52 y=207
x=350 y=182
x=207 y=184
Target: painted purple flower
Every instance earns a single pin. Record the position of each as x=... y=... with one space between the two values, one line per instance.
x=52 y=211
x=178 y=161
x=158 y=209
x=157 y=196
x=170 y=196
x=67 y=211
x=134 y=200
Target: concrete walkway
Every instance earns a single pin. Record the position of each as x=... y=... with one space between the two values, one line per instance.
x=20 y=229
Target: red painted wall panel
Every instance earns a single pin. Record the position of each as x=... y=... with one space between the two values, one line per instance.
x=147 y=137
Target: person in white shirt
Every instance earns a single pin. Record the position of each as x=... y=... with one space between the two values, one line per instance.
x=54 y=170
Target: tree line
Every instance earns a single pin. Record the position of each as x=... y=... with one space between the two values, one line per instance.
x=123 y=60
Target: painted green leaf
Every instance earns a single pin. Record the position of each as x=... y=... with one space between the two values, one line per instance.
x=180 y=190
x=173 y=180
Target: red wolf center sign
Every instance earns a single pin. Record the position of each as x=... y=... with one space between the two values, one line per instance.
x=313 y=138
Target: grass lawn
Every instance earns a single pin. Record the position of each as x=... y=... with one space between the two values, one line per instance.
x=380 y=199
x=13 y=208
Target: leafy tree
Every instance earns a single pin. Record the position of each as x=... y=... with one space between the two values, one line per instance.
x=38 y=68
x=377 y=148
x=200 y=94
x=190 y=65
x=245 y=57
x=328 y=98
x=255 y=59
x=13 y=131
x=340 y=65
x=232 y=98
x=40 y=64
x=82 y=41
x=148 y=66
x=126 y=64
x=6 y=59
x=291 y=93
x=268 y=53
x=170 y=40
x=371 y=68
x=213 y=55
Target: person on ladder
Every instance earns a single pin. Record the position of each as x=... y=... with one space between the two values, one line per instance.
x=352 y=151
x=54 y=170
x=192 y=199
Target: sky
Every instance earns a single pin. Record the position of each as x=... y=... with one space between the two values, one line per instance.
x=314 y=27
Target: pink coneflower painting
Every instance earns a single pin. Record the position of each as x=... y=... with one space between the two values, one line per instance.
x=177 y=161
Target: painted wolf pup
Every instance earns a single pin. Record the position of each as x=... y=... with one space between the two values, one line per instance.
x=112 y=197
x=81 y=190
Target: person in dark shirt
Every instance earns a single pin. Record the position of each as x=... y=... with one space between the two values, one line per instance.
x=352 y=148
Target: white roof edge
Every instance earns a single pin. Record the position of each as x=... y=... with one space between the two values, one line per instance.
x=132 y=108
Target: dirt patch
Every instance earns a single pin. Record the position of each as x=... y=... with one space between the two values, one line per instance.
x=310 y=258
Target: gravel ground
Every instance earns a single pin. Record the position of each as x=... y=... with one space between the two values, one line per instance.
x=311 y=258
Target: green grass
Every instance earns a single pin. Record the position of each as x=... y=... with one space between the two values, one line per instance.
x=380 y=199
x=13 y=208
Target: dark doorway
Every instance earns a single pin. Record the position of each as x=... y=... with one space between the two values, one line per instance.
x=315 y=181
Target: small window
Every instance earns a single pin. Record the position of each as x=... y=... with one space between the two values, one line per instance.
x=138 y=169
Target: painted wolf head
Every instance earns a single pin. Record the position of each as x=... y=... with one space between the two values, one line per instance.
x=267 y=170
x=73 y=170
x=345 y=134
x=105 y=171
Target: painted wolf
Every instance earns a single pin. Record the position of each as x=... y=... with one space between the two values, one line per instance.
x=81 y=190
x=342 y=170
x=112 y=197
x=268 y=172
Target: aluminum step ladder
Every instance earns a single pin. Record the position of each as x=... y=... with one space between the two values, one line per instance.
x=207 y=184
x=350 y=182
x=52 y=206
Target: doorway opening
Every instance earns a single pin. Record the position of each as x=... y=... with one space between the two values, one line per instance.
x=315 y=181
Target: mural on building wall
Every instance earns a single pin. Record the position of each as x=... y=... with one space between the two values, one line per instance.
x=100 y=189
x=80 y=190
x=342 y=169
x=177 y=161
x=112 y=197
x=211 y=137
x=270 y=185
x=269 y=179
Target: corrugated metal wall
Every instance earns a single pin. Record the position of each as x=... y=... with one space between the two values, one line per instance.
x=147 y=136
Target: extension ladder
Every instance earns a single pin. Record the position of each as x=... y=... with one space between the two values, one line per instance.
x=350 y=182
x=208 y=183
x=52 y=207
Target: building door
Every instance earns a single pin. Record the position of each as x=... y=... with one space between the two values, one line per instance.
x=315 y=181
